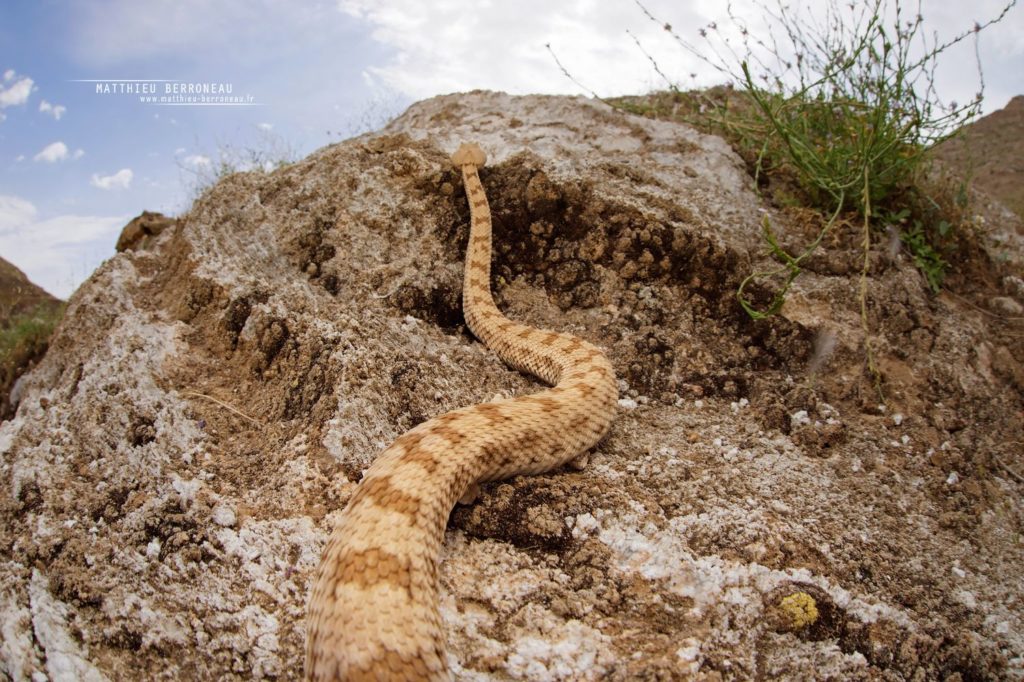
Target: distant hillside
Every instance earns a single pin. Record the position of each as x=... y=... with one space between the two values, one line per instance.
x=28 y=315
x=17 y=293
x=991 y=153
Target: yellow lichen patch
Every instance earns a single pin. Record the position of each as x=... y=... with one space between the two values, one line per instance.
x=799 y=609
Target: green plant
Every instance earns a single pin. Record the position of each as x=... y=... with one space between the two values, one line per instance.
x=789 y=272
x=23 y=339
x=927 y=259
x=840 y=105
x=921 y=239
x=845 y=104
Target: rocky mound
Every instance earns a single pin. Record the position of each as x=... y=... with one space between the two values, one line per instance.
x=208 y=404
x=140 y=232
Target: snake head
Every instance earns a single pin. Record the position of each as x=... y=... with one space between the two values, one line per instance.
x=469 y=154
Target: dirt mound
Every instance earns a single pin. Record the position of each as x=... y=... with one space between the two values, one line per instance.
x=177 y=459
x=990 y=152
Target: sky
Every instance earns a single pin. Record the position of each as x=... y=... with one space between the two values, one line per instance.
x=86 y=142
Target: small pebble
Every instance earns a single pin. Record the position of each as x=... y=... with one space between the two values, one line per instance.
x=223 y=515
x=1006 y=306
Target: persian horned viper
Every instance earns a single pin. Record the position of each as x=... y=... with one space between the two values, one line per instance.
x=374 y=609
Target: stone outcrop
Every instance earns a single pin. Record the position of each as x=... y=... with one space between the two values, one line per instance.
x=209 y=402
x=140 y=231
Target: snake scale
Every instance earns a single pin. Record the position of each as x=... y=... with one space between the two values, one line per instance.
x=374 y=608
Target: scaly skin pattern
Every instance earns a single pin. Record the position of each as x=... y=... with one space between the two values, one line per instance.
x=373 y=612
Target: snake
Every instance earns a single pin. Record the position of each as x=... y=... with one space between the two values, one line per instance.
x=373 y=611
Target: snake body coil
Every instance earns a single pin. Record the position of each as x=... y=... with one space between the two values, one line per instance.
x=373 y=612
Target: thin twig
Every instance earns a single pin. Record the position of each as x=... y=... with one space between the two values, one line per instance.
x=671 y=86
x=1005 y=318
x=224 y=405
x=1010 y=471
x=573 y=78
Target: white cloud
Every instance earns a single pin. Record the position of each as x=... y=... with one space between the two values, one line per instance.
x=59 y=252
x=197 y=161
x=267 y=127
x=21 y=157
x=17 y=93
x=53 y=152
x=122 y=179
x=15 y=212
x=450 y=47
x=8 y=74
x=55 y=110
x=79 y=153
x=423 y=49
